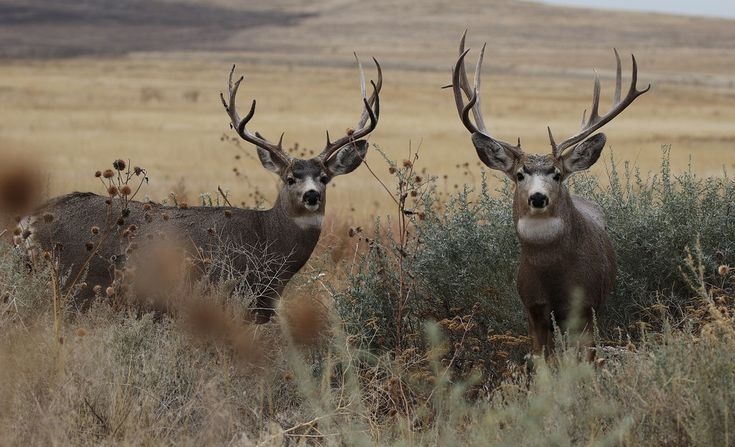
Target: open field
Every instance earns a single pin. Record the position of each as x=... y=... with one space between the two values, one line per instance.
x=164 y=114
x=158 y=105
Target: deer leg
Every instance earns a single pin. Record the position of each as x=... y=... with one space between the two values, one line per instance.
x=539 y=326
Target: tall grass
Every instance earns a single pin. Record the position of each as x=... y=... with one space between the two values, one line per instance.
x=338 y=375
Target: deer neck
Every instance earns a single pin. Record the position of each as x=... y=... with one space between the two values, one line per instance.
x=547 y=237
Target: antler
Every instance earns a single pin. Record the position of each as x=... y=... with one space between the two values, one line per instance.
x=370 y=112
x=461 y=85
x=596 y=121
x=238 y=124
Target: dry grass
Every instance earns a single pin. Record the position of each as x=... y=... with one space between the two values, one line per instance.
x=73 y=114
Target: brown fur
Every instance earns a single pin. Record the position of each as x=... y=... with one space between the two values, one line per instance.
x=567 y=263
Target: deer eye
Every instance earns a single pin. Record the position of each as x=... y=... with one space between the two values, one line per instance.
x=519 y=176
x=290 y=180
x=557 y=177
x=324 y=179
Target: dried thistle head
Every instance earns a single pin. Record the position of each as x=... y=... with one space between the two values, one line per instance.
x=119 y=164
x=109 y=173
x=125 y=190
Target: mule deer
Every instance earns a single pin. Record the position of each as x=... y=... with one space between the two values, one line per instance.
x=290 y=230
x=567 y=258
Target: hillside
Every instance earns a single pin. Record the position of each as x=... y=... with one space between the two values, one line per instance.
x=522 y=36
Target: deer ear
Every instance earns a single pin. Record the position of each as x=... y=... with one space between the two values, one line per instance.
x=270 y=163
x=584 y=155
x=348 y=158
x=494 y=154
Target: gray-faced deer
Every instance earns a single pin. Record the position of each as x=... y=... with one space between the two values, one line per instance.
x=289 y=231
x=566 y=255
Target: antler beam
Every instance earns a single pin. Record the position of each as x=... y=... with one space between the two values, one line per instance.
x=461 y=87
x=238 y=124
x=595 y=121
x=370 y=113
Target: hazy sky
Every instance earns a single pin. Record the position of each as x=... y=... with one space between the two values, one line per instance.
x=713 y=8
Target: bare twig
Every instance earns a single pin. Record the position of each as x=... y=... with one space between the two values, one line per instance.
x=224 y=196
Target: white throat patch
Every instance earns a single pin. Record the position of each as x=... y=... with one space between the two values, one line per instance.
x=312 y=221
x=539 y=230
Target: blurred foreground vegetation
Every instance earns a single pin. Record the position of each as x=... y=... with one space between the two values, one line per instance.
x=414 y=337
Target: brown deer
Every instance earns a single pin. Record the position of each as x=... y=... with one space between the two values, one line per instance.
x=289 y=231
x=567 y=261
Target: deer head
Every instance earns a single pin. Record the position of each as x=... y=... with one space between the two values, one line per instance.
x=538 y=178
x=305 y=180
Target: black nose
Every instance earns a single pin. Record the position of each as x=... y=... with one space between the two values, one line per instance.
x=312 y=197
x=538 y=200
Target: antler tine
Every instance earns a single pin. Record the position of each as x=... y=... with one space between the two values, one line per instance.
x=459 y=84
x=378 y=85
x=554 y=147
x=595 y=121
x=239 y=124
x=464 y=82
x=477 y=110
x=457 y=88
x=371 y=112
x=618 y=77
x=594 y=111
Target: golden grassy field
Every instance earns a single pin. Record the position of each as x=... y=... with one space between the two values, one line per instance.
x=161 y=109
x=164 y=114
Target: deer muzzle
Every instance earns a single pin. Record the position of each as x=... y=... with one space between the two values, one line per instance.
x=538 y=200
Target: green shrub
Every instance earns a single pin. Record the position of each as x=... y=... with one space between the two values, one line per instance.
x=461 y=255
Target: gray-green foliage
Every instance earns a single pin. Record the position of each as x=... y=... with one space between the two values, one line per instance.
x=652 y=221
x=464 y=252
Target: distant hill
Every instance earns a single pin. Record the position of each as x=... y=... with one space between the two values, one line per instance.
x=523 y=37
x=40 y=28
